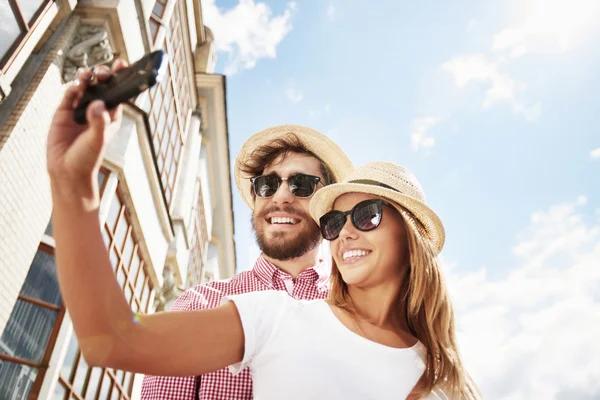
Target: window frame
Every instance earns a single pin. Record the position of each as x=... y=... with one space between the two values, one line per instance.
x=27 y=28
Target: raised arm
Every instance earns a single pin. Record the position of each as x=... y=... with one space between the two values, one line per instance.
x=110 y=335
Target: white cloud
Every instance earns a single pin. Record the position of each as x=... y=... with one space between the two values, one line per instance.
x=595 y=153
x=531 y=333
x=330 y=12
x=550 y=23
x=500 y=87
x=294 y=95
x=418 y=134
x=247 y=32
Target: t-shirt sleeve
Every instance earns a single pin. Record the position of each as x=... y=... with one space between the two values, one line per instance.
x=260 y=313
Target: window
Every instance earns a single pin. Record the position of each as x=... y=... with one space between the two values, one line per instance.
x=28 y=338
x=19 y=18
x=76 y=379
x=30 y=333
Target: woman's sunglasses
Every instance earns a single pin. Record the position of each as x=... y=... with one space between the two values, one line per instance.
x=301 y=185
x=365 y=216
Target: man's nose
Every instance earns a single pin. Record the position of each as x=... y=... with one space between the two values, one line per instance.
x=283 y=194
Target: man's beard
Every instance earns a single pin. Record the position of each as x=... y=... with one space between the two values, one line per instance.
x=283 y=246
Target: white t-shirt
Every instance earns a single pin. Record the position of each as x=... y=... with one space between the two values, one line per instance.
x=299 y=349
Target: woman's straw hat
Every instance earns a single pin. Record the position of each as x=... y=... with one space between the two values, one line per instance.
x=391 y=182
x=334 y=158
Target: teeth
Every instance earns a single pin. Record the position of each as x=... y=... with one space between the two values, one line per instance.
x=283 y=220
x=354 y=253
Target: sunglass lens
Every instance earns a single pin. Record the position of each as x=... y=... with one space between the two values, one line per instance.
x=266 y=185
x=367 y=215
x=332 y=224
x=302 y=185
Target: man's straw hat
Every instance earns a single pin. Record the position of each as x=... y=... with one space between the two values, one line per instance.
x=391 y=182
x=334 y=158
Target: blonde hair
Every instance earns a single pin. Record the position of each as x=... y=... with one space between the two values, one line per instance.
x=430 y=316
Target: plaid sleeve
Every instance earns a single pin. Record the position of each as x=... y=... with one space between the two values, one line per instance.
x=181 y=388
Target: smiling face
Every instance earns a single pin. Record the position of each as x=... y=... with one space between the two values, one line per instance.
x=369 y=259
x=282 y=224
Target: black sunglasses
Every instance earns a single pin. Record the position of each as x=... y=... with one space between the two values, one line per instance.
x=301 y=185
x=365 y=216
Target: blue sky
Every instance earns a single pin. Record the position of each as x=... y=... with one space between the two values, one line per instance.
x=493 y=106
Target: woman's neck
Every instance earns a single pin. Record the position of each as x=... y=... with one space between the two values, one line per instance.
x=382 y=306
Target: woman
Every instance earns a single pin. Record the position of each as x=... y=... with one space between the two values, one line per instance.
x=386 y=285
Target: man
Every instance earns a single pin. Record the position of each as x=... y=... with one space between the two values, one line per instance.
x=277 y=171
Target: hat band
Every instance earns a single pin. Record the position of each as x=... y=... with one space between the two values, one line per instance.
x=373 y=183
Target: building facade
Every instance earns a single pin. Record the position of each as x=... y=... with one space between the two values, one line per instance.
x=166 y=208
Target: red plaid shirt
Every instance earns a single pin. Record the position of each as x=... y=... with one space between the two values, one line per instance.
x=222 y=385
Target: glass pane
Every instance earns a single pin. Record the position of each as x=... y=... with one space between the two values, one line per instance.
x=94 y=383
x=59 y=391
x=48 y=230
x=27 y=331
x=127 y=382
x=105 y=386
x=69 y=363
x=114 y=258
x=128 y=293
x=135 y=265
x=80 y=375
x=29 y=8
x=153 y=29
x=140 y=286
x=145 y=297
x=16 y=380
x=113 y=213
x=106 y=236
x=116 y=393
x=119 y=376
x=101 y=179
x=128 y=250
x=158 y=10
x=121 y=277
x=120 y=233
x=10 y=29
x=41 y=282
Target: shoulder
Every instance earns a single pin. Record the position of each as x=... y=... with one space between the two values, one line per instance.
x=211 y=294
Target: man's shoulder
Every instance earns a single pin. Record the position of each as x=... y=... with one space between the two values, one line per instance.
x=210 y=294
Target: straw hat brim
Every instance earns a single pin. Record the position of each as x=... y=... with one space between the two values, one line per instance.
x=322 y=202
x=334 y=158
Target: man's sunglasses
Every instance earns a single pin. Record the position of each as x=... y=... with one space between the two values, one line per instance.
x=365 y=216
x=301 y=185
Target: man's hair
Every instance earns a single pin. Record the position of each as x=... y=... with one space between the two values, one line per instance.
x=264 y=156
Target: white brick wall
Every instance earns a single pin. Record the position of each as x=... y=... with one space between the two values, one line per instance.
x=25 y=203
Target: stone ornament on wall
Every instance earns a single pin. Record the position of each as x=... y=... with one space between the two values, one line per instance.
x=90 y=47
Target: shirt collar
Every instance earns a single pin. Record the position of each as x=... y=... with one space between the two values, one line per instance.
x=267 y=272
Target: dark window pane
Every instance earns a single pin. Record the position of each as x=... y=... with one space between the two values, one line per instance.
x=29 y=8
x=41 y=282
x=158 y=10
x=48 y=230
x=16 y=380
x=153 y=29
x=9 y=29
x=27 y=331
